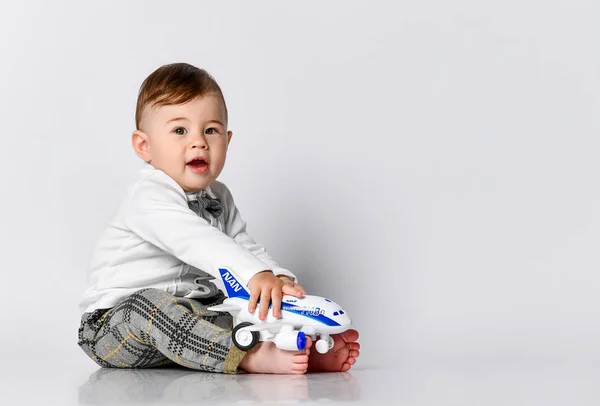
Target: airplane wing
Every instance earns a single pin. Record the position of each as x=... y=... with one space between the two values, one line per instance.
x=223 y=308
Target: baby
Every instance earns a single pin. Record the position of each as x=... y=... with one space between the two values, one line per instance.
x=149 y=282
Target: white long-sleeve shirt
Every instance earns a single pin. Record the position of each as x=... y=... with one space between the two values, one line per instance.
x=157 y=241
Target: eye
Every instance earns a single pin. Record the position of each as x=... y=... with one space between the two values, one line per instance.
x=211 y=131
x=180 y=131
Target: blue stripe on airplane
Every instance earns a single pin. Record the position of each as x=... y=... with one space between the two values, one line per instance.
x=298 y=310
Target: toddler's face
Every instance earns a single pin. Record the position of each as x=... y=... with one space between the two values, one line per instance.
x=186 y=141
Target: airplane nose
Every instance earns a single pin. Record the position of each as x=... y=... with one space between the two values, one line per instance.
x=345 y=320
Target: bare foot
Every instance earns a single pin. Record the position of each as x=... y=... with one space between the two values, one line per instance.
x=266 y=358
x=340 y=358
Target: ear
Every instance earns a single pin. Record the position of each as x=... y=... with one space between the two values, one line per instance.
x=139 y=142
x=229 y=135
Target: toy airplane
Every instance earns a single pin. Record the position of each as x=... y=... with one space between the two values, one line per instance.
x=309 y=315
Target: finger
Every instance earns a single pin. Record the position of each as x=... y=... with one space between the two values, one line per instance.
x=289 y=289
x=265 y=297
x=253 y=299
x=276 y=299
x=300 y=288
x=285 y=278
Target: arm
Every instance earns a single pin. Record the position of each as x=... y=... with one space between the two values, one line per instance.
x=158 y=213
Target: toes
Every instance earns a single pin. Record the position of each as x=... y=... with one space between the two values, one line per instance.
x=346 y=367
x=299 y=367
x=354 y=354
x=354 y=346
x=300 y=359
x=351 y=361
x=350 y=335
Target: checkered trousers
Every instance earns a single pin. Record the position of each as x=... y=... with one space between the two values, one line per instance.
x=153 y=328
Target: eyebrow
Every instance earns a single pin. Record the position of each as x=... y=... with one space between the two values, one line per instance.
x=176 y=119
x=185 y=119
x=218 y=122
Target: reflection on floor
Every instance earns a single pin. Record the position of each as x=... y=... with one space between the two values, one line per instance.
x=180 y=386
x=421 y=381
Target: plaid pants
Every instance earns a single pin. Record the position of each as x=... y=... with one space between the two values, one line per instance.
x=153 y=328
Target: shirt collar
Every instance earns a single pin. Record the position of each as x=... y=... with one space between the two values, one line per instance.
x=194 y=195
x=148 y=168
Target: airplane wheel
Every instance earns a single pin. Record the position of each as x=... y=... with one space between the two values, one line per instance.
x=322 y=346
x=244 y=339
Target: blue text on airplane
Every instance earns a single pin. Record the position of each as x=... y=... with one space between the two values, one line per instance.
x=230 y=279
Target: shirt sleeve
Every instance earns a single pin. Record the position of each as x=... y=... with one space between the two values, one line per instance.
x=158 y=213
x=235 y=227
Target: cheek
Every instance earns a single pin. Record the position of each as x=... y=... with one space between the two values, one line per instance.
x=169 y=153
x=218 y=159
x=219 y=148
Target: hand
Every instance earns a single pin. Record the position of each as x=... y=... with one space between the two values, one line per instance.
x=267 y=287
x=290 y=287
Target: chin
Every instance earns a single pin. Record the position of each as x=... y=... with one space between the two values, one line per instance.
x=195 y=186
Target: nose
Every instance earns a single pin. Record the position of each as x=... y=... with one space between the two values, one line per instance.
x=198 y=141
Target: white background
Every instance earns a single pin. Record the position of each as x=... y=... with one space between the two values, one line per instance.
x=430 y=165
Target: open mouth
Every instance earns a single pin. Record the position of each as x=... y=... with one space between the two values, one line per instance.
x=198 y=165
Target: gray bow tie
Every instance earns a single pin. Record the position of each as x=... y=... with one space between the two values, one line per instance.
x=205 y=202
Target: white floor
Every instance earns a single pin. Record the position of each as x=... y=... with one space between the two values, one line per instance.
x=456 y=381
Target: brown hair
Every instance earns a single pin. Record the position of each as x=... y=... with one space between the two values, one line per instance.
x=176 y=83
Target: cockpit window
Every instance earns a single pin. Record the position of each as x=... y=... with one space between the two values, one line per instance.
x=336 y=314
x=341 y=312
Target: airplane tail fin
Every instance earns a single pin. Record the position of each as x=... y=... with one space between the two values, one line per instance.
x=233 y=286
